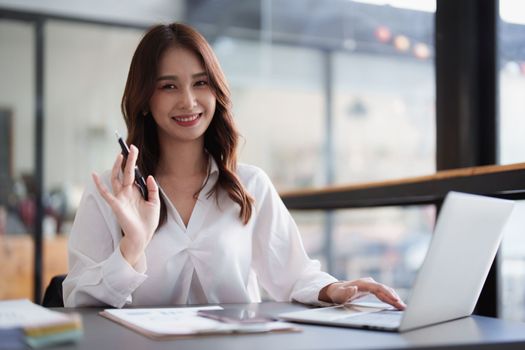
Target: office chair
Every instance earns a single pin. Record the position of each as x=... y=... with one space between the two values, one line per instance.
x=53 y=295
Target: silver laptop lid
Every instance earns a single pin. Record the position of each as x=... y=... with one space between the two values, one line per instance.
x=465 y=241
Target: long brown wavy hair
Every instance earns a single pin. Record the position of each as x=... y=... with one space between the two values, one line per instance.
x=221 y=137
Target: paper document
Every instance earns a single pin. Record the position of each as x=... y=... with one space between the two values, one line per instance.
x=166 y=323
x=23 y=313
x=23 y=322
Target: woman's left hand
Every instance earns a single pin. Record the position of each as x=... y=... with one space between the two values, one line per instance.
x=346 y=291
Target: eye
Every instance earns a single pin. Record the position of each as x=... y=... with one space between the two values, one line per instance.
x=168 y=87
x=201 y=83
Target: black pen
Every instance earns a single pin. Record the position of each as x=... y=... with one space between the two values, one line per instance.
x=139 y=179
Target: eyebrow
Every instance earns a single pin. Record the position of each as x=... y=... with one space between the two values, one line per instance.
x=174 y=77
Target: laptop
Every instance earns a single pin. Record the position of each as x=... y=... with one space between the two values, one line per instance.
x=465 y=241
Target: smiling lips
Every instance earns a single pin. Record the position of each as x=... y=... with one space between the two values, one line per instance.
x=187 y=120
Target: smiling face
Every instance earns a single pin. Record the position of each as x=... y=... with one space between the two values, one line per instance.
x=182 y=103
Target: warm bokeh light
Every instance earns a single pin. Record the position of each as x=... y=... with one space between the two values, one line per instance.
x=421 y=51
x=383 y=34
x=402 y=43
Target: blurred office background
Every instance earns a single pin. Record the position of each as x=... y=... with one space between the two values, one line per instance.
x=325 y=92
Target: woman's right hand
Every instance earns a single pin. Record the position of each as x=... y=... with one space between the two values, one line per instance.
x=137 y=217
x=345 y=291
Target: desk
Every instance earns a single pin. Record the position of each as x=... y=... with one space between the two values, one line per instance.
x=474 y=332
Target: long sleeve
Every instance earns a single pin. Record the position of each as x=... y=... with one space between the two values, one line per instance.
x=98 y=273
x=280 y=261
x=229 y=259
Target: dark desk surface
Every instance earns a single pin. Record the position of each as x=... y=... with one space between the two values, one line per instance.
x=473 y=332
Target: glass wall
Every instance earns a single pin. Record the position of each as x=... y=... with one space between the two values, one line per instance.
x=86 y=67
x=383 y=129
x=86 y=70
x=363 y=70
x=511 y=38
x=388 y=244
x=374 y=96
x=375 y=76
x=278 y=108
x=17 y=157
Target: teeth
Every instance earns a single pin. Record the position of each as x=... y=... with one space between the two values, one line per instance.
x=187 y=119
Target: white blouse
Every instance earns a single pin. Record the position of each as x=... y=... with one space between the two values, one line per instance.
x=215 y=259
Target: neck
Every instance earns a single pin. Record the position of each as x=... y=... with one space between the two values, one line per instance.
x=182 y=159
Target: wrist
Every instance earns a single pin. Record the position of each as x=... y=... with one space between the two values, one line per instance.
x=131 y=251
x=326 y=292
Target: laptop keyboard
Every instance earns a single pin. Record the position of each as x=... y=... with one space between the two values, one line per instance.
x=389 y=319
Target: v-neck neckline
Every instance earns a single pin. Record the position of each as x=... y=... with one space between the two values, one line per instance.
x=201 y=206
x=198 y=212
x=178 y=217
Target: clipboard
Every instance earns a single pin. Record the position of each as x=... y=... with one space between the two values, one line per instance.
x=184 y=323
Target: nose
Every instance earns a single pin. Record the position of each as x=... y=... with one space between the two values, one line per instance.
x=187 y=100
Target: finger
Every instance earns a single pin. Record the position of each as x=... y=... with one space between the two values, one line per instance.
x=108 y=196
x=129 y=170
x=153 y=190
x=389 y=292
x=387 y=295
x=387 y=298
x=115 y=171
x=393 y=292
x=382 y=292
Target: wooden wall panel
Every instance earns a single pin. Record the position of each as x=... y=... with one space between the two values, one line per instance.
x=16 y=264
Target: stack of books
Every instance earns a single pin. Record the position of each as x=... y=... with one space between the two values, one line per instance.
x=23 y=322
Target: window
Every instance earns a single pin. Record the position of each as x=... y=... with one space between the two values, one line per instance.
x=317 y=90
x=317 y=94
x=376 y=95
x=388 y=244
x=278 y=108
x=17 y=159
x=511 y=38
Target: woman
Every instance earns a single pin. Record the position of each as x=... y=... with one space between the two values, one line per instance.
x=211 y=230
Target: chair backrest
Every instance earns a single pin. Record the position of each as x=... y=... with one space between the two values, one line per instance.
x=53 y=295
